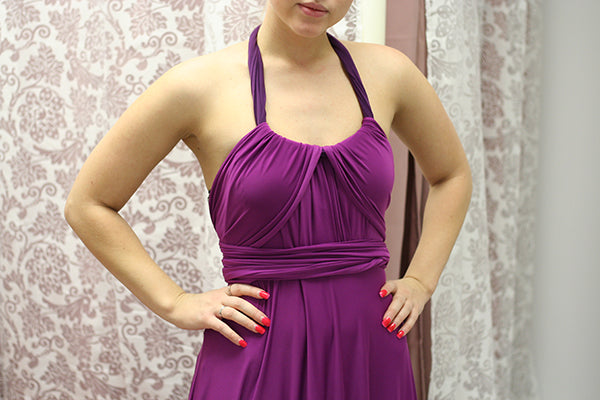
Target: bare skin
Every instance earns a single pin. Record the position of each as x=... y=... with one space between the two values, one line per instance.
x=206 y=102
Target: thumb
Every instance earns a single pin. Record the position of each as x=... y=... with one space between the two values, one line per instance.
x=385 y=289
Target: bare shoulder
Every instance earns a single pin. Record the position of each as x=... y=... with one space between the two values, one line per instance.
x=383 y=61
x=221 y=62
x=389 y=76
x=197 y=78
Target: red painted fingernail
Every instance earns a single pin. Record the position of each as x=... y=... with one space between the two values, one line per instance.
x=383 y=293
x=243 y=343
x=386 y=322
x=391 y=327
x=400 y=334
x=264 y=294
x=259 y=329
x=266 y=321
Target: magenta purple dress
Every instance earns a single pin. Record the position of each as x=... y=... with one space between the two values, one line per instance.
x=306 y=223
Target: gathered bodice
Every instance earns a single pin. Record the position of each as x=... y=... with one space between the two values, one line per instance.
x=272 y=192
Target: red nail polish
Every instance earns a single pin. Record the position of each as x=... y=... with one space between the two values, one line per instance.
x=266 y=321
x=386 y=322
x=243 y=343
x=400 y=334
x=383 y=293
x=264 y=294
x=260 y=329
x=391 y=327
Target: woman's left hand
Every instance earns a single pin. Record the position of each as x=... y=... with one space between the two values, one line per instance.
x=409 y=299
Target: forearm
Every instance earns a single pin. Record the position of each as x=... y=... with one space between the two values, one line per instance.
x=110 y=238
x=445 y=210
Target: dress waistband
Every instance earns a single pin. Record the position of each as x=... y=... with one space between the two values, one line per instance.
x=245 y=264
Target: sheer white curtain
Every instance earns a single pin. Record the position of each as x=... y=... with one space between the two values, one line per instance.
x=68 y=69
x=484 y=62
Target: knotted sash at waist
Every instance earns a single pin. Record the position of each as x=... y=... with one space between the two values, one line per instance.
x=245 y=264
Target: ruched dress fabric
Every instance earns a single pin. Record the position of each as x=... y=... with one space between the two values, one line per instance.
x=306 y=223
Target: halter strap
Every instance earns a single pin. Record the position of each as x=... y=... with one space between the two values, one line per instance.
x=257 y=77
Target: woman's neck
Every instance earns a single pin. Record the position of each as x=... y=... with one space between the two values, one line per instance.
x=276 y=39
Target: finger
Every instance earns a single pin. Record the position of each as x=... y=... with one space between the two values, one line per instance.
x=242 y=312
x=408 y=324
x=401 y=316
x=386 y=289
x=242 y=289
x=248 y=309
x=229 y=333
x=392 y=311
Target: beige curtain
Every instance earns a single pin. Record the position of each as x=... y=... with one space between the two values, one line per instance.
x=484 y=62
x=68 y=329
x=483 y=59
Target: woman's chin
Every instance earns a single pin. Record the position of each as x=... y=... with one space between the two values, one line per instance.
x=309 y=30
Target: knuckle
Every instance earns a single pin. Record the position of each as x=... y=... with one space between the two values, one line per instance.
x=396 y=308
x=257 y=315
x=230 y=333
x=238 y=302
x=398 y=297
x=245 y=321
x=232 y=336
x=250 y=326
x=233 y=288
x=231 y=301
x=400 y=317
x=227 y=312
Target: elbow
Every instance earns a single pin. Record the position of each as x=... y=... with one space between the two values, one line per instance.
x=81 y=212
x=459 y=175
x=70 y=210
x=468 y=182
x=74 y=211
x=459 y=182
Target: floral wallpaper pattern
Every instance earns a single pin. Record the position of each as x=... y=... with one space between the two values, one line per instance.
x=484 y=62
x=68 y=69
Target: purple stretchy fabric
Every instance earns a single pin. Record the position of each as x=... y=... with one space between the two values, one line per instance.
x=306 y=223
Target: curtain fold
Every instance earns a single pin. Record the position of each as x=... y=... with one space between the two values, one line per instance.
x=484 y=62
x=405 y=31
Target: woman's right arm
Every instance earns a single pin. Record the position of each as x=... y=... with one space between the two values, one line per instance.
x=164 y=114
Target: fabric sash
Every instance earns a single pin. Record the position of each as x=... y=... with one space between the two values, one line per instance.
x=246 y=264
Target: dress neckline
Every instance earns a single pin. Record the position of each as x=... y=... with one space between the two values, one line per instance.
x=257 y=82
x=365 y=122
x=262 y=127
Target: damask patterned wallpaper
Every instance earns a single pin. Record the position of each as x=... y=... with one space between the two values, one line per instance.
x=68 y=69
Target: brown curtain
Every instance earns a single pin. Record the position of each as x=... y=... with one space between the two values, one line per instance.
x=405 y=31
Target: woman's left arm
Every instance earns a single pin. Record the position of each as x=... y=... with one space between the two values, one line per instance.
x=424 y=126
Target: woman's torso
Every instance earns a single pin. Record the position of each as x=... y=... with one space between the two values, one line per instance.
x=315 y=105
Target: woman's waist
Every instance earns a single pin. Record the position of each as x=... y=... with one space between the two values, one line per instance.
x=241 y=263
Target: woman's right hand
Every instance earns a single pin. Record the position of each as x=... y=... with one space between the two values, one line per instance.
x=206 y=311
